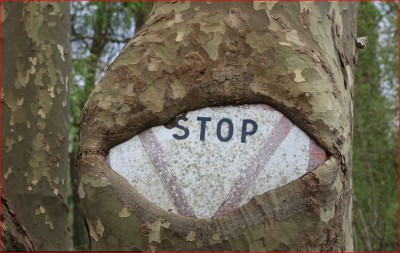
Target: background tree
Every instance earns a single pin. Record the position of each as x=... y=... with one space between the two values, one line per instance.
x=35 y=111
x=375 y=130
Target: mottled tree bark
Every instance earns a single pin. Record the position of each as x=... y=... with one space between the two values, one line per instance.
x=298 y=57
x=35 y=109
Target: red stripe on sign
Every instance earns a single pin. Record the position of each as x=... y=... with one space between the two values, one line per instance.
x=274 y=140
x=317 y=156
x=164 y=169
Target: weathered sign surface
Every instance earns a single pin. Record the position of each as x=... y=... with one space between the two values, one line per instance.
x=216 y=159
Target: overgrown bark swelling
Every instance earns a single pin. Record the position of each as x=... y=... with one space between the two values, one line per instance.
x=35 y=125
x=297 y=57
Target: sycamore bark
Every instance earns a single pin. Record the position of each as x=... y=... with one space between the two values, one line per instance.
x=298 y=57
x=35 y=109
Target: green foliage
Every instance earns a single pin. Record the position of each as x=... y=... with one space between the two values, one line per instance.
x=99 y=32
x=375 y=131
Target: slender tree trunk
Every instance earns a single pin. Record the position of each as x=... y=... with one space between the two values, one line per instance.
x=35 y=110
x=298 y=57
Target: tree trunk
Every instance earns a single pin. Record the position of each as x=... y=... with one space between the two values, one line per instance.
x=35 y=104
x=298 y=57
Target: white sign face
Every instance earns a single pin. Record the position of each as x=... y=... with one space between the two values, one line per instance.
x=216 y=159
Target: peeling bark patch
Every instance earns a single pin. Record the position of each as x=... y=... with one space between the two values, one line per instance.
x=8 y=172
x=179 y=36
x=81 y=191
x=155 y=230
x=299 y=78
x=154 y=65
x=191 y=236
x=56 y=9
x=4 y=14
x=328 y=214
x=33 y=22
x=124 y=212
x=338 y=184
x=178 y=89
x=293 y=37
x=99 y=227
x=61 y=50
x=350 y=79
x=216 y=237
x=282 y=21
x=238 y=22
x=49 y=222
x=283 y=43
x=51 y=24
x=9 y=144
x=212 y=46
x=95 y=182
x=92 y=231
x=40 y=210
x=152 y=99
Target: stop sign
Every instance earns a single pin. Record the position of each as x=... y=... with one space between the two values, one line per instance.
x=216 y=159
